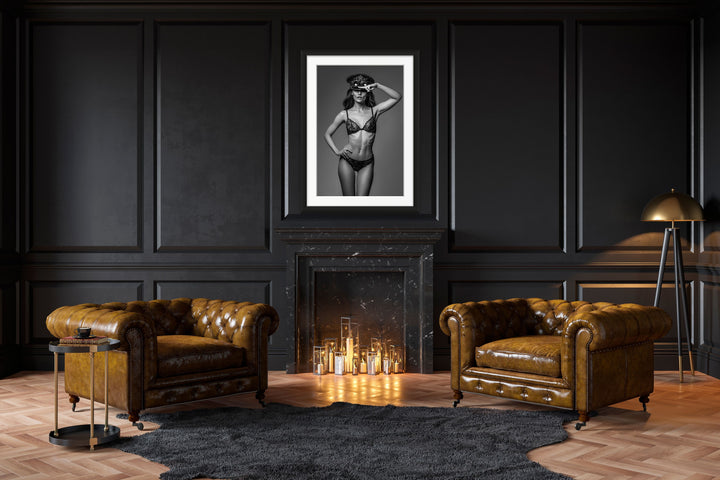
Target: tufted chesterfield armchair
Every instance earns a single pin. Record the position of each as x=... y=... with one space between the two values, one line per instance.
x=575 y=355
x=171 y=351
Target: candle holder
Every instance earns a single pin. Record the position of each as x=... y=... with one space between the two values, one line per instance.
x=339 y=363
x=397 y=358
x=319 y=360
x=363 y=359
x=372 y=363
x=376 y=345
x=349 y=340
x=330 y=345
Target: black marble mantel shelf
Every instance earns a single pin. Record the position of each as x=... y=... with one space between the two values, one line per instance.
x=428 y=236
x=401 y=260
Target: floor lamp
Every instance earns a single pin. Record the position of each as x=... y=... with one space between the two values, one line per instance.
x=674 y=207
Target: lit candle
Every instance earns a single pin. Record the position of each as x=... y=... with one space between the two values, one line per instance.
x=386 y=366
x=348 y=353
x=363 y=366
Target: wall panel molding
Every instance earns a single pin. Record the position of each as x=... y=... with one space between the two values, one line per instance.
x=635 y=124
x=83 y=140
x=709 y=334
x=507 y=126
x=43 y=297
x=623 y=291
x=213 y=136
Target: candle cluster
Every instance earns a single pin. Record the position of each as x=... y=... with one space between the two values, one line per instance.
x=348 y=356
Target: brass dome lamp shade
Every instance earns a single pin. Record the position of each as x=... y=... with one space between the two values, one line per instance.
x=674 y=207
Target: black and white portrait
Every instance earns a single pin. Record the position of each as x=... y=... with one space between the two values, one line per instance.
x=359 y=130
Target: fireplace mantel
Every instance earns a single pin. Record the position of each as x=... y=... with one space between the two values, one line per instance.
x=409 y=252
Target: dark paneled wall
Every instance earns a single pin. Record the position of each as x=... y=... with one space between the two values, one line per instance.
x=709 y=233
x=160 y=146
x=9 y=261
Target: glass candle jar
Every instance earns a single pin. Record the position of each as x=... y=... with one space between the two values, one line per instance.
x=339 y=363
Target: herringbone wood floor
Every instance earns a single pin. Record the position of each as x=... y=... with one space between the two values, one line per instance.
x=678 y=438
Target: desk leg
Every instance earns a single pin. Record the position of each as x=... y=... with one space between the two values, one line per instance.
x=56 y=393
x=92 y=399
x=107 y=355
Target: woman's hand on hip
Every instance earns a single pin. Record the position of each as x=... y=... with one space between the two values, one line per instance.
x=345 y=152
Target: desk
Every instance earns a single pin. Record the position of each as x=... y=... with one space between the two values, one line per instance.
x=91 y=434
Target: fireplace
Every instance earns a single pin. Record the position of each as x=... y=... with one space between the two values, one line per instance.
x=381 y=279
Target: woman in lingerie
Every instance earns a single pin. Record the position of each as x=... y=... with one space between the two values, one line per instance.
x=360 y=114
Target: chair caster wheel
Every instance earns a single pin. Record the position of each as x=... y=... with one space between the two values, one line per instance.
x=455 y=403
x=74 y=405
x=139 y=425
x=579 y=425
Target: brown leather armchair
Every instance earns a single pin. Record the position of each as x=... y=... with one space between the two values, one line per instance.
x=575 y=355
x=171 y=351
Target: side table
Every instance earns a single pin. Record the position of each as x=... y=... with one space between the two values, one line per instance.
x=91 y=434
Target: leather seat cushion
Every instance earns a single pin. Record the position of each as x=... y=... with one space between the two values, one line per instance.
x=536 y=354
x=185 y=354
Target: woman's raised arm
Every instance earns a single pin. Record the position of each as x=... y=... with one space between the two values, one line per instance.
x=394 y=95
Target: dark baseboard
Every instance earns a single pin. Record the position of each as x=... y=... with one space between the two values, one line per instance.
x=9 y=360
x=708 y=359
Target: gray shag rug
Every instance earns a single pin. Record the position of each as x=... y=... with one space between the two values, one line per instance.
x=349 y=441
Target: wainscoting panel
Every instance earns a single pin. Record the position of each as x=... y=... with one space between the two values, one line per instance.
x=476 y=291
x=507 y=189
x=44 y=297
x=8 y=319
x=213 y=110
x=709 y=345
x=644 y=294
x=84 y=124
x=241 y=291
x=9 y=360
x=634 y=127
x=8 y=96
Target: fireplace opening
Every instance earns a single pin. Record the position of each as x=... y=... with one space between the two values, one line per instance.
x=359 y=323
x=382 y=278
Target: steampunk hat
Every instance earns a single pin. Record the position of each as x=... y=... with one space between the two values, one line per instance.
x=359 y=80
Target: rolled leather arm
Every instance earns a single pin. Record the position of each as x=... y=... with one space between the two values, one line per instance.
x=109 y=319
x=617 y=325
x=256 y=316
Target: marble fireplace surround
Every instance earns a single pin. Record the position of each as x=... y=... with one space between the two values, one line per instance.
x=405 y=254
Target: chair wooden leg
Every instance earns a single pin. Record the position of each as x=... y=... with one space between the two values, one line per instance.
x=457 y=395
x=134 y=416
x=74 y=399
x=644 y=399
x=260 y=395
x=583 y=417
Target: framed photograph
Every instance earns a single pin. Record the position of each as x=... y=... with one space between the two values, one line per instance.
x=359 y=131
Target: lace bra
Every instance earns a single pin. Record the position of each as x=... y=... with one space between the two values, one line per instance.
x=353 y=127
